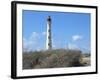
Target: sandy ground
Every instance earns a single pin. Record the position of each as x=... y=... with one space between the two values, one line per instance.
x=86 y=61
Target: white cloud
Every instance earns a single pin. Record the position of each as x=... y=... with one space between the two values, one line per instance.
x=31 y=42
x=34 y=35
x=54 y=46
x=77 y=37
x=24 y=42
x=44 y=33
x=72 y=46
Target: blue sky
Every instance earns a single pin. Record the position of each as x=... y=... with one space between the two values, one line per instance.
x=69 y=30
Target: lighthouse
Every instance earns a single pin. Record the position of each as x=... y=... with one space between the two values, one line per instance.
x=49 y=39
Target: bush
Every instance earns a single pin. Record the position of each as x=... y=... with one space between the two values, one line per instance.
x=52 y=59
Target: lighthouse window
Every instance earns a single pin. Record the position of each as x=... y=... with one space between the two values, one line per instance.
x=49 y=30
x=49 y=44
x=49 y=37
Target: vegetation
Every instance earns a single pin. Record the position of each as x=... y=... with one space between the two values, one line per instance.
x=53 y=59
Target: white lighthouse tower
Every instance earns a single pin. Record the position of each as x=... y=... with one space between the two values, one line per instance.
x=49 y=40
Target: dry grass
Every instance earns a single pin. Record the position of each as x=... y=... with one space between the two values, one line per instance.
x=52 y=59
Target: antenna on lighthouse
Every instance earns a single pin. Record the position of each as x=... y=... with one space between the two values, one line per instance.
x=49 y=40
